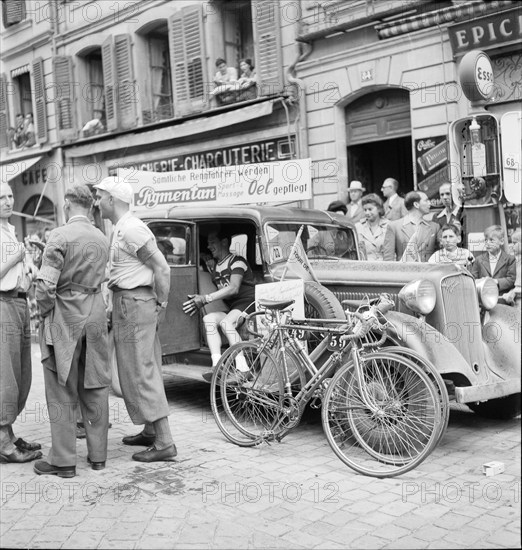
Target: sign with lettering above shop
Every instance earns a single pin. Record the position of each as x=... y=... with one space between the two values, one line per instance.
x=486 y=32
x=271 y=182
x=271 y=150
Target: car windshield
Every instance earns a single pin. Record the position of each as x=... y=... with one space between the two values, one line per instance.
x=319 y=241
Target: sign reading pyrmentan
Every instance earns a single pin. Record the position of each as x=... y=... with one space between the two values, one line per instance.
x=271 y=182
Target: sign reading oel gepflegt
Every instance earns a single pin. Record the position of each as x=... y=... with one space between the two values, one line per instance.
x=271 y=182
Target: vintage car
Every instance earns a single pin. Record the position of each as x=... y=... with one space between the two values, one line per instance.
x=440 y=311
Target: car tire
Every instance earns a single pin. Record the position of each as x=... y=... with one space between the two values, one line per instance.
x=502 y=408
x=321 y=303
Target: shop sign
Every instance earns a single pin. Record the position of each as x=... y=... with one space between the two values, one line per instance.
x=263 y=151
x=486 y=32
x=431 y=160
x=34 y=177
x=476 y=76
x=271 y=182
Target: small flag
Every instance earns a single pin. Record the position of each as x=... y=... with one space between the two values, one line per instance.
x=298 y=262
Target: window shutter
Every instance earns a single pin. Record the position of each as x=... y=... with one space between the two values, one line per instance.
x=4 y=139
x=267 y=40
x=126 y=96
x=63 y=78
x=188 y=60
x=13 y=12
x=109 y=82
x=39 y=96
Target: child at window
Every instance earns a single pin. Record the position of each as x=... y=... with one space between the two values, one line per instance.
x=451 y=253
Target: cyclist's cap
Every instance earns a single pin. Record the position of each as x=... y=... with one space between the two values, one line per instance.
x=117 y=188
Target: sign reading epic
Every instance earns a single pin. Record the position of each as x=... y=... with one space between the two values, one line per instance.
x=272 y=182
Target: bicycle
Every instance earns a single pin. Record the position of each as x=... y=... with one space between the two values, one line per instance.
x=382 y=413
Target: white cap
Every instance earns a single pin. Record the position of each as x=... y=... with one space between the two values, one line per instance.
x=117 y=187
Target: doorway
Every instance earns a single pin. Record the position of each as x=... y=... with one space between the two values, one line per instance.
x=371 y=163
x=378 y=132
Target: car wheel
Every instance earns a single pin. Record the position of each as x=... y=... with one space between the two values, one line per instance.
x=502 y=408
x=320 y=303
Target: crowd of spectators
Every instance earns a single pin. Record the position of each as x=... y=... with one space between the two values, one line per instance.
x=404 y=229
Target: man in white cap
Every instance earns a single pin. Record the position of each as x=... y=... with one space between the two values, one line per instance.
x=355 y=211
x=140 y=280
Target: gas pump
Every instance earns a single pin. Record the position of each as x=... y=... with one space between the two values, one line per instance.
x=484 y=155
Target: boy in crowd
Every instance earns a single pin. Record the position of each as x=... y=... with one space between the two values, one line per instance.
x=451 y=252
x=494 y=262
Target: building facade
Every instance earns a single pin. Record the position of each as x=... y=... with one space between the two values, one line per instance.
x=129 y=85
x=366 y=89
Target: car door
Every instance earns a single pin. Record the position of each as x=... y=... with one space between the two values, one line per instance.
x=176 y=240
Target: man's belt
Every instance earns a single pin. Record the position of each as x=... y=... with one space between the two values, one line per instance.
x=116 y=288
x=13 y=294
x=78 y=287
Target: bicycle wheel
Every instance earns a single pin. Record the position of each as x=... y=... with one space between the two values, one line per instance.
x=251 y=407
x=434 y=376
x=394 y=428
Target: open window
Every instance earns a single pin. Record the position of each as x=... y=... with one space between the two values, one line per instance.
x=158 y=103
x=92 y=102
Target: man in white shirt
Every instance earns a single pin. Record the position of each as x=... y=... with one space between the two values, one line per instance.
x=394 y=208
x=15 y=350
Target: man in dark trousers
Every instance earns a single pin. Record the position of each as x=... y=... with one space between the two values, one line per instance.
x=140 y=281
x=15 y=346
x=73 y=336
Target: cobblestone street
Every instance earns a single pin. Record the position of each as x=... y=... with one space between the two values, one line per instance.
x=295 y=494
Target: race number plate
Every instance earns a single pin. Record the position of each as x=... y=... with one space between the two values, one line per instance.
x=335 y=343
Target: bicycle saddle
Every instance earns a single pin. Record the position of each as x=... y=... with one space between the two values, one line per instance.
x=275 y=304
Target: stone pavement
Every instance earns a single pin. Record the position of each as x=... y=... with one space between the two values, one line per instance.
x=295 y=494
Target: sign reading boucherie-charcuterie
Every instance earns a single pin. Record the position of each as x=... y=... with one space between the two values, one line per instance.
x=273 y=182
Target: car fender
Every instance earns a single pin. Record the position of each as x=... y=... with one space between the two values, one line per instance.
x=501 y=337
x=421 y=337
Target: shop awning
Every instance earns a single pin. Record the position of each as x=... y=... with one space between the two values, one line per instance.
x=443 y=16
x=10 y=170
x=176 y=131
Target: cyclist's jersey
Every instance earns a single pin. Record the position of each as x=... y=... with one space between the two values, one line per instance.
x=221 y=274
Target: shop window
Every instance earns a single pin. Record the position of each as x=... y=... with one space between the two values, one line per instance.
x=159 y=103
x=13 y=12
x=41 y=207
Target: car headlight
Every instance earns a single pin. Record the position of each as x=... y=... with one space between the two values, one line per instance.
x=419 y=296
x=487 y=292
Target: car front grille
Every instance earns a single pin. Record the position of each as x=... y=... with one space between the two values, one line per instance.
x=462 y=325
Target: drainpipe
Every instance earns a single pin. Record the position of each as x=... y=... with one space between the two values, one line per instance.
x=297 y=97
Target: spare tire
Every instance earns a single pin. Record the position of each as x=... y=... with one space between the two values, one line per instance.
x=321 y=303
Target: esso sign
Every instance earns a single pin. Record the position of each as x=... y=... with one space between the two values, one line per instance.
x=476 y=76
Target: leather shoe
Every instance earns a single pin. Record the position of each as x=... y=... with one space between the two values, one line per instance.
x=154 y=455
x=96 y=465
x=139 y=439
x=43 y=468
x=18 y=456
x=26 y=446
